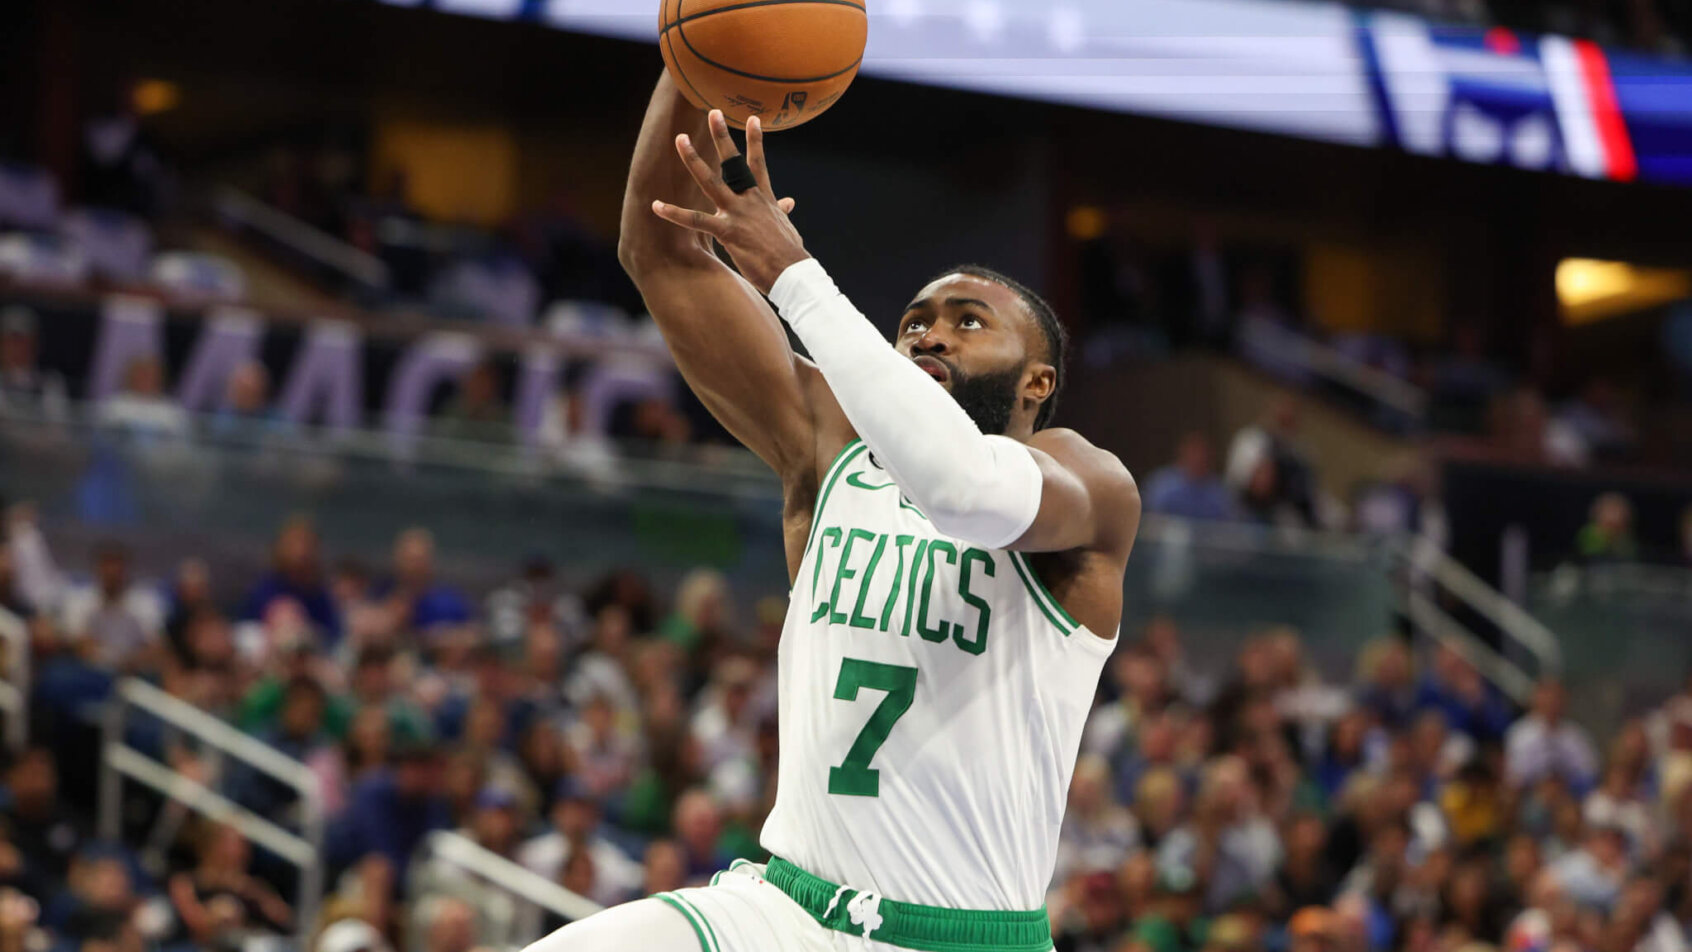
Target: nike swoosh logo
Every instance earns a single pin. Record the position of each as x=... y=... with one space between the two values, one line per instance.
x=857 y=479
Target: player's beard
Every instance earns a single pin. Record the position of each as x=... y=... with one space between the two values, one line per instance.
x=988 y=398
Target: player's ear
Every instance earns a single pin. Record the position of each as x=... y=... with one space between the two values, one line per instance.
x=1039 y=380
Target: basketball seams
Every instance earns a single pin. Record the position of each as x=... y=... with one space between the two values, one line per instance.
x=742 y=92
x=749 y=4
x=675 y=61
x=788 y=80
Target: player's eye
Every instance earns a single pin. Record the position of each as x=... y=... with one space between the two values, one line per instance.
x=970 y=320
x=916 y=327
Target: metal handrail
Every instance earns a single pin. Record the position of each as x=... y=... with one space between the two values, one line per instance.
x=119 y=760
x=1427 y=558
x=1437 y=624
x=1325 y=361
x=320 y=246
x=242 y=746
x=517 y=880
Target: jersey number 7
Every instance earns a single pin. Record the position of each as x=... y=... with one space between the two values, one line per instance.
x=854 y=778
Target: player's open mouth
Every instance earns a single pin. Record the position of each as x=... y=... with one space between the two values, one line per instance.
x=934 y=368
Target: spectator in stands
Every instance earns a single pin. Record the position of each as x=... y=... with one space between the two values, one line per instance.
x=142 y=411
x=118 y=618
x=102 y=898
x=476 y=412
x=296 y=572
x=1522 y=428
x=1389 y=689
x=665 y=867
x=351 y=935
x=1184 y=679
x=1089 y=917
x=46 y=833
x=1470 y=704
x=725 y=724
x=1268 y=472
x=1465 y=380
x=24 y=387
x=450 y=924
x=246 y=408
x=301 y=732
x=417 y=601
x=1098 y=832
x=1594 y=874
x=189 y=596
x=1140 y=681
x=1190 y=488
x=1544 y=745
x=576 y=828
x=1596 y=416
x=1607 y=536
x=392 y=810
x=537 y=596
x=37 y=582
x=698 y=823
x=700 y=622
x=374 y=684
x=1306 y=877
x=1228 y=846
x=220 y=903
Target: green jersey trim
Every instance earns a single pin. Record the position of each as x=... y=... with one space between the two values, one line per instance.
x=846 y=455
x=1048 y=605
x=693 y=919
x=910 y=926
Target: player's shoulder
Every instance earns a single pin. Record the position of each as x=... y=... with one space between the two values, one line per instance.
x=1086 y=458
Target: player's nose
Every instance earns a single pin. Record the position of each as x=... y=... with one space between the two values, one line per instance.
x=933 y=342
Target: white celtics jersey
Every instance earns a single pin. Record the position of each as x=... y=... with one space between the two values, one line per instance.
x=932 y=700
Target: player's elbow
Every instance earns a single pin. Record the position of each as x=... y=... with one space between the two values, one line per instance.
x=634 y=254
x=643 y=253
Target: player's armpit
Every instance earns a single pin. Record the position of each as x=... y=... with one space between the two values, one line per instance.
x=1088 y=499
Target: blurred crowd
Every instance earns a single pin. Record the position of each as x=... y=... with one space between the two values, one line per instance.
x=1269 y=477
x=1143 y=303
x=1414 y=809
x=612 y=741
x=619 y=741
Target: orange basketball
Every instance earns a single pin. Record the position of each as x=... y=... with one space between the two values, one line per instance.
x=784 y=61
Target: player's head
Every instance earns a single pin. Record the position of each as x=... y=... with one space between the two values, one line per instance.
x=995 y=345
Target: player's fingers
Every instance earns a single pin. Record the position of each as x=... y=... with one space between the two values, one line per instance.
x=726 y=149
x=755 y=154
x=689 y=218
x=710 y=179
x=787 y=204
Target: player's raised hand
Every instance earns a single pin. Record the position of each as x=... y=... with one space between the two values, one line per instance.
x=753 y=226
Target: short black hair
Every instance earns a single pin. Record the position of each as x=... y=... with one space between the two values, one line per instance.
x=1052 y=329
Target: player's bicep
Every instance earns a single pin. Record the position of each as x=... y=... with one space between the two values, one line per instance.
x=732 y=351
x=1088 y=500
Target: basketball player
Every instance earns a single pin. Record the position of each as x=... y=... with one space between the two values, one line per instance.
x=956 y=569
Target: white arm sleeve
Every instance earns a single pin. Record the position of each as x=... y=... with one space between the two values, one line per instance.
x=978 y=488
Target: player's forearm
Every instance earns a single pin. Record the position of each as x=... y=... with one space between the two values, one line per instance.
x=646 y=241
x=979 y=488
